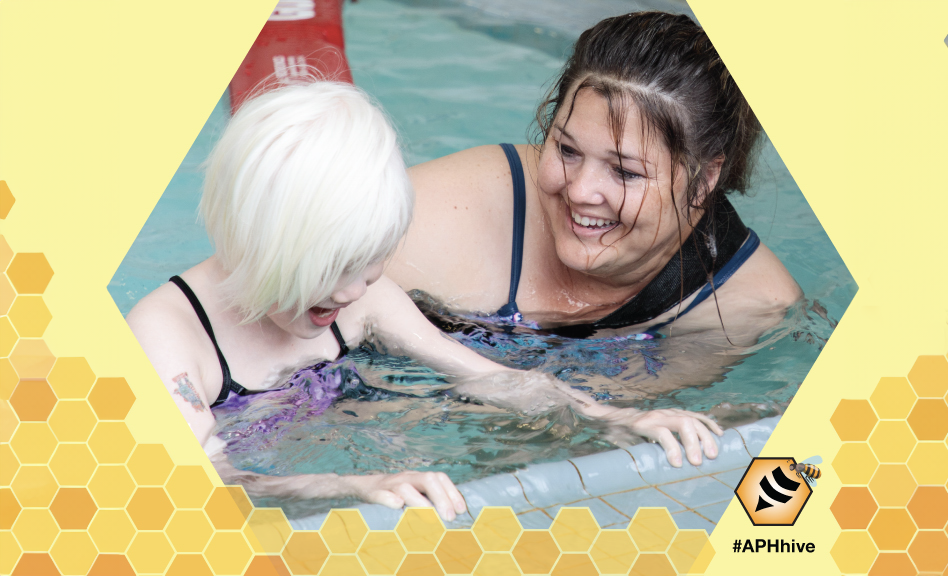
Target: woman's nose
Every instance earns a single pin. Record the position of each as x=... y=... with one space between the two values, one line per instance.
x=350 y=292
x=585 y=186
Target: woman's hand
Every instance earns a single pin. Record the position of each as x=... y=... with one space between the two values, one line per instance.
x=695 y=431
x=406 y=489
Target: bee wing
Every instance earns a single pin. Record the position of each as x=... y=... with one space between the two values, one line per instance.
x=810 y=481
x=813 y=460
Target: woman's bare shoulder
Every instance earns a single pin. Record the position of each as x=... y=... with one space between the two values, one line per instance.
x=458 y=245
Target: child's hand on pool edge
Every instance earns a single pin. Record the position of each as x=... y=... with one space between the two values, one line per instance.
x=406 y=489
x=695 y=431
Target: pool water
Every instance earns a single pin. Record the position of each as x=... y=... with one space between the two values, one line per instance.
x=454 y=75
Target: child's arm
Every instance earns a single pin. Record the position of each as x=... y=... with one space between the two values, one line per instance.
x=393 y=321
x=171 y=346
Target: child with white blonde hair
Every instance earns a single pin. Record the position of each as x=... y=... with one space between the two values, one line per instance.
x=305 y=196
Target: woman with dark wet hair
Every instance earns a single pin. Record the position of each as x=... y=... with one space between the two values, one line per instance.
x=618 y=212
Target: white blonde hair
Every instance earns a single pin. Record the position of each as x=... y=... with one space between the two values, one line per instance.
x=306 y=183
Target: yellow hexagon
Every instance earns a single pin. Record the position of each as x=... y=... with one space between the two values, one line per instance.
x=853 y=420
x=892 y=441
x=9 y=552
x=73 y=552
x=892 y=485
x=652 y=529
x=71 y=378
x=29 y=316
x=574 y=529
x=536 y=552
x=267 y=530
x=496 y=529
x=8 y=336
x=33 y=400
x=8 y=378
x=31 y=359
x=111 y=486
x=892 y=529
x=72 y=421
x=420 y=529
x=73 y=508
x=691 y=551
x=35 y=529
x=9 y=508
x=111 y=442
x=189 y=530
x=189 y=487
x=343 y=531
x=929 y=463
x=494 y=564
x=111 y=398
x=8 y=465
x=228 y=553
x=343 y=566
x=150 y=508
x=72 y=464
x=33 y=442
x=652 y=564
x=34 y=486
x=855 y=463
x=29 y=273
x=7 y=294
x=8 y=421
x=150 y=464
x=418 y=563
x=613 y=552
x=305 y=553
x=150 y=552
x=929 y=376
x=189 y=565
x=574 y=564
x=6 y=200
x=112 y=531
x=381 y=552
x=228 y=508
x=893 y=398
x=458 y=552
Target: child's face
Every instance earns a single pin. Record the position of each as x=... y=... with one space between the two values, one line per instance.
x=317 y=318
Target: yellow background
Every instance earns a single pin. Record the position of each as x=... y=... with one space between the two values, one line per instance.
x=99 y=102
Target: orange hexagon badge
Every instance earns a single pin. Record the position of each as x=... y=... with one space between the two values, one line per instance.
x=772 y=492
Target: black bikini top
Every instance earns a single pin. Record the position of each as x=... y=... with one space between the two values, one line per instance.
x=719 y=244
x=229 y=385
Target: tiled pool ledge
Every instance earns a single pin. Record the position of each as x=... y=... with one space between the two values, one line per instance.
x=613 y=485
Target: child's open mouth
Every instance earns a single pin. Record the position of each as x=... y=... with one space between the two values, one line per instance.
x=322 y=316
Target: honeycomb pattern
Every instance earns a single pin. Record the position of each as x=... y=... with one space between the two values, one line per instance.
x=79 y=494
x=893 y=506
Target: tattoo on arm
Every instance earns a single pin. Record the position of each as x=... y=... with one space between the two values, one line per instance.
x=187 y=391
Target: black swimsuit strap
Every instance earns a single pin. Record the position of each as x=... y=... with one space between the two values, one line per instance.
x=519 y=219
x=228 y=384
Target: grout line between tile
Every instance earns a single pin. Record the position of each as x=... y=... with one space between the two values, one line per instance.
x=637 y=471
x=522 y=491
x=613 y=507
x=580 y=474
x=744 y=442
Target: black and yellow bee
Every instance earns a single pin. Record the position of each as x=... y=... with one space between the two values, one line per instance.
x=807 y=469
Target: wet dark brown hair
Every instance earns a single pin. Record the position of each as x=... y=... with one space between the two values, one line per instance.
x=664 y=65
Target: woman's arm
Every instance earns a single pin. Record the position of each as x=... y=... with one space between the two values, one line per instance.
x=393 y=321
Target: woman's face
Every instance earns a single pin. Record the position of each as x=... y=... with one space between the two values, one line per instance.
x=317 y=318
x=609 y=220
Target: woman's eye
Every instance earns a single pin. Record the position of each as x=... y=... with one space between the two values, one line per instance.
x=625 y=174
x=567 y=151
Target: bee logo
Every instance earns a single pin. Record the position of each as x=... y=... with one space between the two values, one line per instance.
x=774 y=491
x=807 y=470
